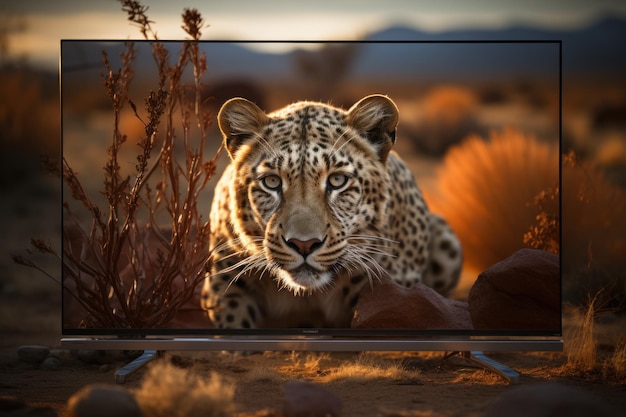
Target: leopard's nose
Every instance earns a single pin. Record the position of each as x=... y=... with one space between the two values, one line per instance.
x=304 y=247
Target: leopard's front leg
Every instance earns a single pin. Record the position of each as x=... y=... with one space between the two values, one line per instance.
x=229 y=304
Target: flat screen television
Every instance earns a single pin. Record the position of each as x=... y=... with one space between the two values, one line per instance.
x=148 y=128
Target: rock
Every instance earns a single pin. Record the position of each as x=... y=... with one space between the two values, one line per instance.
x=33 y=353
x=550 y=400
x=303 y=399
x=520 y=292
x=393 y=306
x=99 y=357
x=10 y=404
x=12 y=407
x=51 y=364
x=103 y=401
x=63 y=355
x=104 y=368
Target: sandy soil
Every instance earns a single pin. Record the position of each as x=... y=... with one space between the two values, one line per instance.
x=369 y=384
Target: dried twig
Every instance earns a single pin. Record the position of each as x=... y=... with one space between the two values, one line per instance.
x=125 y=269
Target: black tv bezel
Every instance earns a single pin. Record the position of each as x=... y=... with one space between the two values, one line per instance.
x=179 y=337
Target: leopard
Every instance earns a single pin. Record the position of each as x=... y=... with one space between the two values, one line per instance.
x=313 y=208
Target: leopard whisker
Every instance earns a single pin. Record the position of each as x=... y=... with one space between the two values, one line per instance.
x=237 y=242
x=252 y=262
x=266 y=145
x=370 y=266
x=377 y=250
x=373 y=237
x=346 y=142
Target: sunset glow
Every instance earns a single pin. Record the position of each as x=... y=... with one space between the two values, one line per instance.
x=44 y=25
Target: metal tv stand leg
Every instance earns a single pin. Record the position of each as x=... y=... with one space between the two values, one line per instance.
x=137 y=363
x=496 y=367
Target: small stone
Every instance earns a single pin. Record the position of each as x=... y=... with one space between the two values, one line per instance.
x=87 y=356
x=33 y=353
x=103 y=401
x=12 y=407
x=51 y=364
x=11 y=404
x=303 y=399
x=63 y=355
x=104 y=368
x=97 y=356
x=550 y=400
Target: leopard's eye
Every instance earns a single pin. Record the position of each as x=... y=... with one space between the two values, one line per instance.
x=336 y=181
x=272 y=182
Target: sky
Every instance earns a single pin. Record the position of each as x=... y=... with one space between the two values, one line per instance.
x=34 y=28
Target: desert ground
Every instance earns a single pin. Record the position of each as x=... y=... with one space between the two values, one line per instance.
x=368 y=384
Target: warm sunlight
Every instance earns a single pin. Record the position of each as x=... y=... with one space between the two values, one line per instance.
x=338 y=231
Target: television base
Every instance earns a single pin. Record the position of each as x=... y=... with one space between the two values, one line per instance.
x=480 y=359
x=135 y=364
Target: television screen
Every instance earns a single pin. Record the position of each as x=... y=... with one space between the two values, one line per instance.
x=373 y=188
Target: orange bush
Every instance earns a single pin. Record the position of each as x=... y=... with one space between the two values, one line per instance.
x=448 y=115
x=486 y=190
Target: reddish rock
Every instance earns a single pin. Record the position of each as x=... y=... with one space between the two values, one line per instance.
x=303 y=399
x=520 y=292
x=391 y=306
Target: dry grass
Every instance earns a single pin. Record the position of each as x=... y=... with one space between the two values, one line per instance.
x=486 y=190
x=580 y=341
x=371 y=367
x=593 y=350
x=325 y=367
x=615 y=366
x=413 y=413
x=168 y=391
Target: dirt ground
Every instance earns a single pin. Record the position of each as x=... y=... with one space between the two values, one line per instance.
x=369 y=384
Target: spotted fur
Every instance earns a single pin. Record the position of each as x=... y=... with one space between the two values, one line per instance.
x=312 y=209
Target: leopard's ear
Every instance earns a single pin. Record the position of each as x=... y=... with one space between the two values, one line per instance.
x=376 y=117
x=240 y=120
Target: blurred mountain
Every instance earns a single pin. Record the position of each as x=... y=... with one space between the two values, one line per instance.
x=598 y=50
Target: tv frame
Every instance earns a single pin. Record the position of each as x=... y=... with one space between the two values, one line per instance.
x=468 y=343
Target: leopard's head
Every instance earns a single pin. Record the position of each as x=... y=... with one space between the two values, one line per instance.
x=311 y=187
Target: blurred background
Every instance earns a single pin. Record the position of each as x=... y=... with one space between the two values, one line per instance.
x=480 y=123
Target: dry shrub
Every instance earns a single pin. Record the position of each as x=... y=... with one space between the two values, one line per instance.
x=545 y=234
x=168 y=391
x=486 y=190
x=142 y=253
x=594 y=235
x=448 y=116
